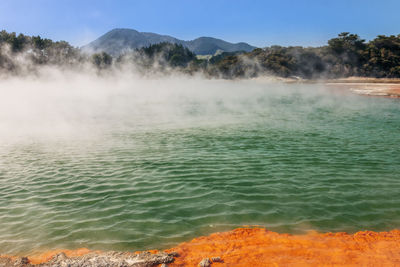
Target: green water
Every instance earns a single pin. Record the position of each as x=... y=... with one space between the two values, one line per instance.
x=290 y=161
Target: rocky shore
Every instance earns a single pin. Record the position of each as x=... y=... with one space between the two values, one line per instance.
x=242 y=247
x=106 y=259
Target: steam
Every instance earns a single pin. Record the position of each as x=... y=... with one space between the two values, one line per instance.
x=86 y=103
x=61 y=103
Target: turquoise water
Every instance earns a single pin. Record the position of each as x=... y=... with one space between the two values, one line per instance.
x=292 y=160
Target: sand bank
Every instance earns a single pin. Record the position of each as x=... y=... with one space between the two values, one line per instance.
x=368 y=86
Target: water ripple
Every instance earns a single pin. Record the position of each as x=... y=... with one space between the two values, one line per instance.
x=294 y=164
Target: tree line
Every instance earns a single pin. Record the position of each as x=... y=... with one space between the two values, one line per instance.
x=343 y=56
x=22 y=51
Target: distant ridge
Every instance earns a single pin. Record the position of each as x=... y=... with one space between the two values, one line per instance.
x=118 y=41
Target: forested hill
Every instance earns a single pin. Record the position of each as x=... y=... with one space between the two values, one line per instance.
x=343 y=56
x=119 y=41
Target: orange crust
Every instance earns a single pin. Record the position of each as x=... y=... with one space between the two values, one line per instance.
x=46 y=256
x=260 y=247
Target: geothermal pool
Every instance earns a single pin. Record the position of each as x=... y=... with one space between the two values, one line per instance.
x=121 y=168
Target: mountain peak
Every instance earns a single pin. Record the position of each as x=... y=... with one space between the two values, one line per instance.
x=120 y=40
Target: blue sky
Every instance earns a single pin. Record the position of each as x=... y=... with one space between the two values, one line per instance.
x=260 y=23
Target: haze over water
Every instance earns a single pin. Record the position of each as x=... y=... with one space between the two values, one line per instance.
x=148 y=163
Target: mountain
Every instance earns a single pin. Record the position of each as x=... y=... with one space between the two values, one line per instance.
x=118 y=41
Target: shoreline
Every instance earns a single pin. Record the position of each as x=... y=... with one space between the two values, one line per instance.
x=364 y=86
x=387 y=90
x=241 y=247
x=376 y=87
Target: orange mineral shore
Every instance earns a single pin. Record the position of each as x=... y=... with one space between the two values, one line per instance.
x=260 y=247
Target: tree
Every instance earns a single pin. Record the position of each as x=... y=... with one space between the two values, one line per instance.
x=383 y=56
x=102 y=60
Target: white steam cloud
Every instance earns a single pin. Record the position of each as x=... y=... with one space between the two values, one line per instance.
x=65 y=103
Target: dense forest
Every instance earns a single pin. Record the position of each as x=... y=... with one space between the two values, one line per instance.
x=343 y=56
x=21 y=52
